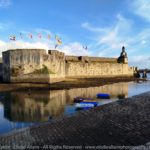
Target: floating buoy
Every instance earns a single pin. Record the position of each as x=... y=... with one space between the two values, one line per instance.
x=103 y=96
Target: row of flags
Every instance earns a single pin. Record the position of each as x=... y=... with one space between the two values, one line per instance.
x=30 y=35
x=40 y=36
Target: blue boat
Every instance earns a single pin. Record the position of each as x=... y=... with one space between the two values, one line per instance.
x=103 y=96
x=80 y=99
x=86 y=104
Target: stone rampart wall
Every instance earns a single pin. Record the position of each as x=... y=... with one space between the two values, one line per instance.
x=89 y=69
x=22 y=65
x=35 y=65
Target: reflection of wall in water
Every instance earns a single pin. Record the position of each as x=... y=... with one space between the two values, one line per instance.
x=39 y=106
x=115 y=90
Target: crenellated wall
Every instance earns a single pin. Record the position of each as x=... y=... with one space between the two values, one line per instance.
x=35 y=65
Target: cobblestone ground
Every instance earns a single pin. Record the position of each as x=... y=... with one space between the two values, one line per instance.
x=122 y=123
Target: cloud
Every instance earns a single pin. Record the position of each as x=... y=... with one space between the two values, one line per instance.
x=142 y=8
x=5 y=3
x=2 y=44
x=5 y=26
x=89 y=27
x=109 y=40
x=22 y=44
x=118 y=34
x=74 y=48
x=142 y=61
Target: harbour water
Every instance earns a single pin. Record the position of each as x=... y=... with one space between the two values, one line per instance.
x=21 y=109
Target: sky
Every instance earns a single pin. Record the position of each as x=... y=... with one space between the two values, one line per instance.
x=104 y=26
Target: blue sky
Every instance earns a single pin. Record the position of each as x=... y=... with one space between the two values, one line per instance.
x=102 y=25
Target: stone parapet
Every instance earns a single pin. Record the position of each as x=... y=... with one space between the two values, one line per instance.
x=91 y=59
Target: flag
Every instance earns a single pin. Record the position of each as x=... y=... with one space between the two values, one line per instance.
x=39 y=35
x=85 y=47
x=12 y=38
x=30 y=35
x=56 y=45
x=48 y=36
x=59 y=42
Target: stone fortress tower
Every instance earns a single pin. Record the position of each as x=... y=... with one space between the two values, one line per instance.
x=123 y=56
x=36 y=66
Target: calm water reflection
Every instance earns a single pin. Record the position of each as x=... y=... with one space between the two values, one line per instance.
x=19 y=110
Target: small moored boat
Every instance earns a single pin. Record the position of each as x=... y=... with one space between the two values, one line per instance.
x=86 y=104
x=80 y=99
